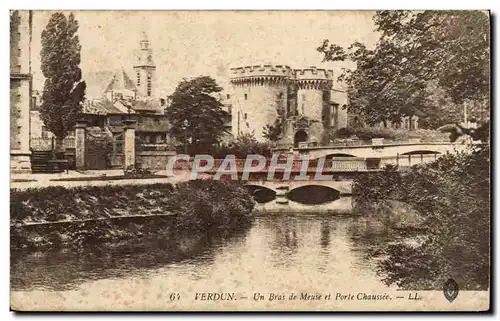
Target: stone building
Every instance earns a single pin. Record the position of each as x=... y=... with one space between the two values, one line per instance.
x=130 y=98
x=37 y=127
x=145 y=69
x=20 y=89
x=225 y=100
x=305 y=101
x=113 y=97
x=125 y=97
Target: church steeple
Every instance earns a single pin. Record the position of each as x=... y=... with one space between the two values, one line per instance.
x=145 y=68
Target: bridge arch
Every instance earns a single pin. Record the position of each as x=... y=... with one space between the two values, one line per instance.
x=421 y=152
x=261 y=194
x=338 y=155
x=313 y=194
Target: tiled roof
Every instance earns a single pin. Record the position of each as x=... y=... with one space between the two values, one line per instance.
x=122 y=106
x=120 y=82
x=100 y=107
x=97 y=82
x=104 y=107
x=148 y=105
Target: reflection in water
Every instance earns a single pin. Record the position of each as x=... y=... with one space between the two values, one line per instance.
x=284 y=242
x=320 y=251
x=325 y=234
x=64 y=270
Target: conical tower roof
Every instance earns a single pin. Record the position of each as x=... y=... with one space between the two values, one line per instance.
x=120 y=82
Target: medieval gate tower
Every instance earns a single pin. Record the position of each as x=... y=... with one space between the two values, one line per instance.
x=300 y=98
x=259 y=95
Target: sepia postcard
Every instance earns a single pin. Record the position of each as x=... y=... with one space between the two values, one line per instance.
x=250 y=161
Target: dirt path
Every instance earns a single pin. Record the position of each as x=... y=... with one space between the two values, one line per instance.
x=45 y=180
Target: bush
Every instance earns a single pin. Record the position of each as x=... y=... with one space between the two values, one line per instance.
x=452 y=197
x=244 y=145
x=191 y=206
x=367 y=133
x=213 y=204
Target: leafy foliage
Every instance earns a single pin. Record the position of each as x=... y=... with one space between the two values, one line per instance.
x=213 y=204
x=456 y=130
x=427 y=61
x=64 y=89
x=452 y=196
x=273 y=132
x=194 y=101
x=245 y=144
x=192 y=206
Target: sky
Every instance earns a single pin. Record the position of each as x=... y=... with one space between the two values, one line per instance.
x=187 y=44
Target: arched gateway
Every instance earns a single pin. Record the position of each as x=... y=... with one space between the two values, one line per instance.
x=300 y=136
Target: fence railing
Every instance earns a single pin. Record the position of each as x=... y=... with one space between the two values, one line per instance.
x=385 y=141
x=333 y=164
x=371 y=142
x=408 y=160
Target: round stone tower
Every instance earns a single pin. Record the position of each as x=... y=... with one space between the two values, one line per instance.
x=313 y=97
x=313 y=86
x=259 y=97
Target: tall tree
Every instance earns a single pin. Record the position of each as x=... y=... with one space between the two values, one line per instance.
x=417 y=52
x=273 y=132
x=64 y=90
x=195 y=114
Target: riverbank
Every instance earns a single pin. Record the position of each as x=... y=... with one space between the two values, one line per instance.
x=56 y=217
x=438 y=216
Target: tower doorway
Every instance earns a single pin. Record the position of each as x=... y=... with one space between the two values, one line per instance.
x=300 y=136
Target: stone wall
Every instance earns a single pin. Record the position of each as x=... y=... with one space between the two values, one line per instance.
x=256 y=105
x=155 y=160
x=340 y=98
x=20 y=89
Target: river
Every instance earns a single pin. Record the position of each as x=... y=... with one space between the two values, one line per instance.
x=280 y=254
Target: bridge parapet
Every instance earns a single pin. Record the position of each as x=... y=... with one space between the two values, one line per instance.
x=313 y=165
x=374 y=142
x=326 y=160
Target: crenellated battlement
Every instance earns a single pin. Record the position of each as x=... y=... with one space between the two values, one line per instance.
x=262 y=92
x=313 y=73
x=306 y=78
x=262 y=71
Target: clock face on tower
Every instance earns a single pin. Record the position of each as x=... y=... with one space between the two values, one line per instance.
x=150 y=59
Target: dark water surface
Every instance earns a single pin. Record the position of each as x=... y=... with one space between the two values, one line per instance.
x=278 y=253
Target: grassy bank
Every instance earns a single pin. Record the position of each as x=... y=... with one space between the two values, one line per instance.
x=448 y=203
x=86 y=216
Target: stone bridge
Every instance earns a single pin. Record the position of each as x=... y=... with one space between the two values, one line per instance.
x=343 y=187
x=302 y=196
x=385 y=150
